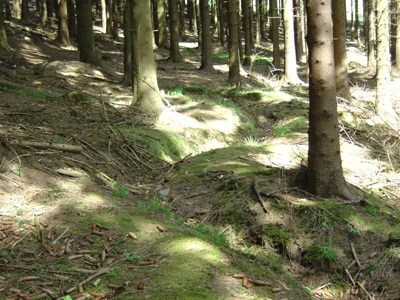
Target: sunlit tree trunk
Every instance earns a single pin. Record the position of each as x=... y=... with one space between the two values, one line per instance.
x=397 y=41
x=274 y=13
x=325 y=174
x=339 y=37
x=206 y=46
x=63 y=33
x=145 y=86
x=299 y=24
x=160 y=21
x=371 y=40
x=43 y=12
x=17 y=9
x=383 y=103
x=174 y=53
x=234 y=60
x=291 y=76
x=103 y=15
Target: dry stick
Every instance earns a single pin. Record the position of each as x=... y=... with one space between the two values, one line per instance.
x=255 y=188
x=62 y=234
x=36 y=269
x=20 y=240
x=353 y=250
x=99 y=273
x=365 y=291
x=350 y=277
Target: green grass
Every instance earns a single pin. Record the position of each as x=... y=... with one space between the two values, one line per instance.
x=285 y=128
x=120 y=191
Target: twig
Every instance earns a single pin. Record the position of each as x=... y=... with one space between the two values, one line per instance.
x=257 y=192
x=350 y=277
x=36 y=269
x=353 y=250
x=62 y=234
x=99 y=273
x=21 y=239
x=365 y=291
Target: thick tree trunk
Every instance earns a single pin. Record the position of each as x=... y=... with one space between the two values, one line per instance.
x=325 y=173
x=174 y=53
x=339 y=37
x=87 y=53
x=146 y=92
x=274 y=13
x=247 y=32
x=63 y=33
x=206 y=46
x=383 y=103
x=234 y=61
x=291 y=76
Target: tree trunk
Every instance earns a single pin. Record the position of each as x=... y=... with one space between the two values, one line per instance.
x=175 y=54
x=63 y=33
x=190 y=11
x=161 y=24
x=324 y=174
x=103 y=15
x=206 y=46
x=397 y=41
x=3 y=36
x=127 y=80
x=25 y=10
x=182 y=31
x=300 y=31
x=87 y=52
x=383 y=103
x=115 y=19
x=222 y=22
x=8 y=10
x=258 y=22
x=247 y=32
x=371 y=33
x=291 y=76
x=146 y=92
x=43 y=12
x=17 y=9
x=339 y=38
x=234 y=61
x=71 y=12
x=274 y=13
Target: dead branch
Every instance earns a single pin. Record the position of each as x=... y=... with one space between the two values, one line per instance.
x=258 y=195
x=47 y=145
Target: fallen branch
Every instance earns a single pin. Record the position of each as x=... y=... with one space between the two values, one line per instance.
x=258 y=195
x=47 y=145
x=99 y=273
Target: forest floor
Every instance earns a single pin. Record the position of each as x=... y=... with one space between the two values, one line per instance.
x=98 y=202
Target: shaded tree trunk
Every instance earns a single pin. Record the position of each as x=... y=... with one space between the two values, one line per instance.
x=87 y=53
x=190 y=12
x=247 y=32
x=146 y=92
x=174 y=53
x=383 y=103
x=324 y=174
x=397 y=33
x=8 y=10
x=182 y=27
x=221 y=22
x=206 y=47
x=339 y=37
x=25 y=10
x=71 y=12
x=234 y=60
x=127 y=80
x=3 y=35
x=291 y=76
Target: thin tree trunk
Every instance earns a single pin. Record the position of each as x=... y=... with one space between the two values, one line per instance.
x=3 y=35
x=128 y=75
x=291 y=76
x=383 y=103
x=175 y=54
x=339 y=37
x=103 y=15
x=276 y=56
x=299 y=23
x=234 y=61
x=397 y=40
x=182 y=27
x=206 y=53
x=247 y=32
x=63 y=33
x=371 y=34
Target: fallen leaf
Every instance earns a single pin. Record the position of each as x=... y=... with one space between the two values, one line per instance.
x=140 y=286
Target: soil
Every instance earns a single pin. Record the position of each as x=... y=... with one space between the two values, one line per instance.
x=99 y=202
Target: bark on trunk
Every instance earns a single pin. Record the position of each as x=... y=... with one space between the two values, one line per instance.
x=175 y=54
x=206 y=53
x=234 y=61
x=325 y=174
x=63 y=33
